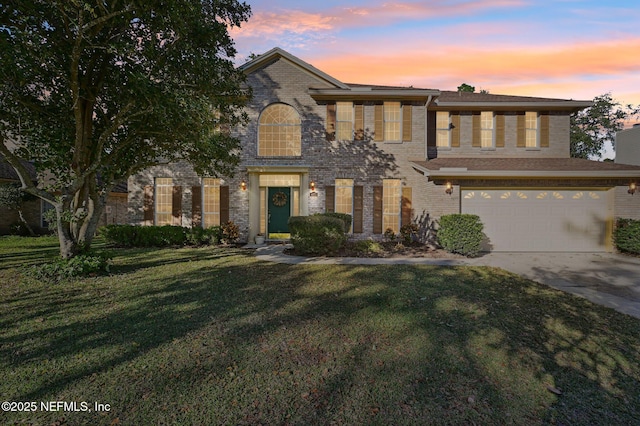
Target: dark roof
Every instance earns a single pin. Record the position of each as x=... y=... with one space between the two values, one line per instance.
x=525 y=164
x=7 y=171
x=379 y=87
x=453 y=96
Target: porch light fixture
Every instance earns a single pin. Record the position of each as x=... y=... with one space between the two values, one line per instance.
x=632 y=188
x=312 y=185
x=243 y=185
x=448 y=188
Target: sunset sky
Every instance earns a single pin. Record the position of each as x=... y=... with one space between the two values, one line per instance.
x=573 y=49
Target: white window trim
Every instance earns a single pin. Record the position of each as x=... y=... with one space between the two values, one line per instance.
x=493 y=132
x=384 y=122
x=537 y=129
x=448 y=129
x=335 y=197
x=353 y=117
x=155 y=200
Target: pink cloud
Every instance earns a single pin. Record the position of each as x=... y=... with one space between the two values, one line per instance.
x=273 y=24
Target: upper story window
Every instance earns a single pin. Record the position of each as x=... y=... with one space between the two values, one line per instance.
x=443 y=129
x=486 y=129
x=531 y=129
x=344 y=121
x=392 y=121
x=279 y=132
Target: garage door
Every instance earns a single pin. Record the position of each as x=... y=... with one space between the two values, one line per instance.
x=543 y=220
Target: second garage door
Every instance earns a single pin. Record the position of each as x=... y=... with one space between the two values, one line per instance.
x=543 y=220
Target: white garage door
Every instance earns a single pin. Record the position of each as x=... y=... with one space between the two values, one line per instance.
x=544 y=219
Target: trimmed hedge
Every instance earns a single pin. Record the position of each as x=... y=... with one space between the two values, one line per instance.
x=626 y=236
x=318 y=234
x=159 y=236
x=345 y=217
x=460 y=233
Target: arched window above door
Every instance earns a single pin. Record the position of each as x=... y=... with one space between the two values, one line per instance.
x=279 y=132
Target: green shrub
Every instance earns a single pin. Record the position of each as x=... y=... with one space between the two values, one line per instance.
x=626 y=236
x=409 y=232
x=229 y=233
x=346 y=218
x=317 y=234
x=62 y=269
x=389 y=235
x=198 y=236
x=460 y=233
x=367 y=246
x=144 y=236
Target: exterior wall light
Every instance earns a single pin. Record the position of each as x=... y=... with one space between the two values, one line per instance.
x=243 y=185
x=632 y=188
x=448 y=188
x=312 y=185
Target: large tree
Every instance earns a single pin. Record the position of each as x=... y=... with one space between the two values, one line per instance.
x=593 y=127
x=93 y=91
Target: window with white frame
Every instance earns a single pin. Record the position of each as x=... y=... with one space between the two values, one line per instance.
x=486 y=129
x=392 y=121
x=210 y=202
x=344 y=121
x=391 y=204
x=531 y=129
x=443 y=129
x=164 y=201
x=344 y=196
x=279 y=132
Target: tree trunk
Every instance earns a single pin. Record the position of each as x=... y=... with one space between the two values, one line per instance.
x=76 y=236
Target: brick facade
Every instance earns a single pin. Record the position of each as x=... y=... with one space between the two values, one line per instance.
x=277 y=77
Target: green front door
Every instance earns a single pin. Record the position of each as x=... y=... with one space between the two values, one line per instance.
x=279 y=210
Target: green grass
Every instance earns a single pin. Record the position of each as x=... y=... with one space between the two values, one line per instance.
x=213 y=336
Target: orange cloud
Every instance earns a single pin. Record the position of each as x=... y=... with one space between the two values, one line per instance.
x=485 y=64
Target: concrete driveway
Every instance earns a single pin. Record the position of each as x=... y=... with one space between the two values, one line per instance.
x=608 y=279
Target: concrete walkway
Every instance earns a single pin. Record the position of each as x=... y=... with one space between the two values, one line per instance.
x=608 y=279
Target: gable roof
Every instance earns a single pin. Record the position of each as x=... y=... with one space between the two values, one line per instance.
x=277 y=53
x=524 y=167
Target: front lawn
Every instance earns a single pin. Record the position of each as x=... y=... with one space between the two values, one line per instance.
x=214 y=336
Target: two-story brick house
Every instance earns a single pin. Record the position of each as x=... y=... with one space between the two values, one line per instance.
x=393 y=155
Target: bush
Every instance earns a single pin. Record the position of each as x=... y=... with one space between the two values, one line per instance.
x=626 y=236
x=346 y=218
x=389 y=235
x=409 y=232
x=460 y=233
x=198 y=236
x=229 y=233
x=318 y=234
x=367 y=246
x=144 y=236
x=79 y=266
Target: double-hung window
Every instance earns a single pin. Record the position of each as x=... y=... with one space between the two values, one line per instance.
x=392 y=121
x=344 y=121
x=486 y=129
x=210 y=202
x=391 y=204
x=344 y=196
x=164 y=201
x=443 y=129
x=531 y=129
